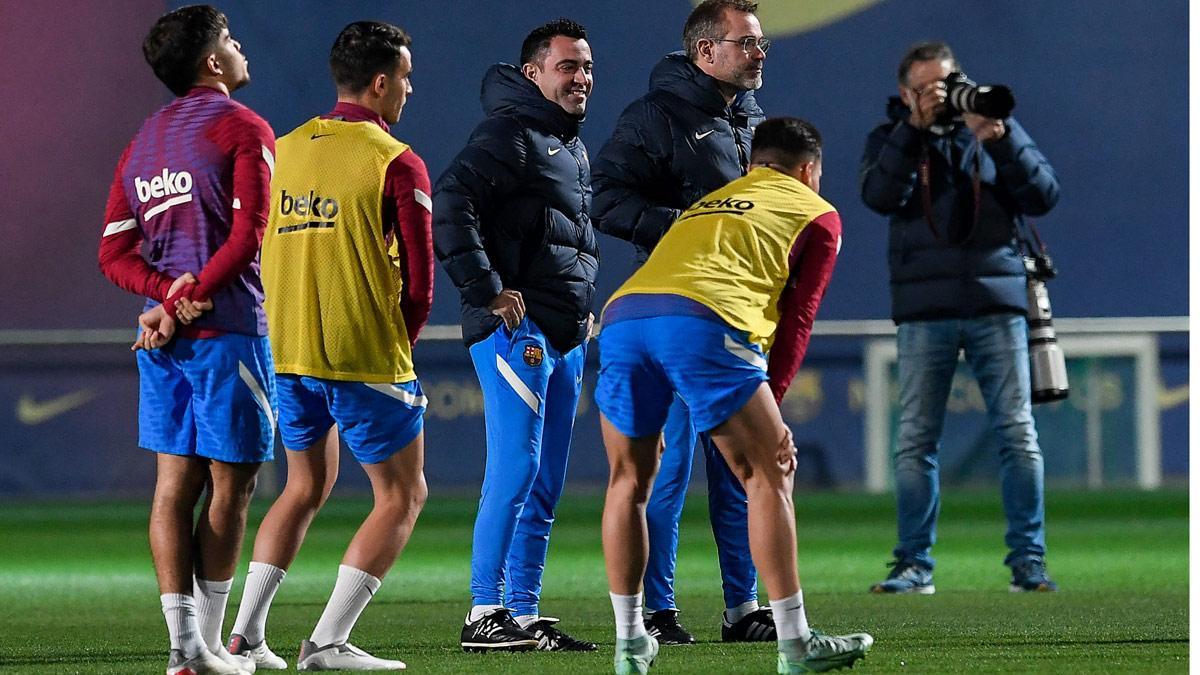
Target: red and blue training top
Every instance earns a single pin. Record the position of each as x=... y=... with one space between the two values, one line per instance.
x=191 y=194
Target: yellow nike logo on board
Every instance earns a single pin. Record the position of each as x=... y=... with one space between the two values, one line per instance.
x=788 y=17
x=31 y=412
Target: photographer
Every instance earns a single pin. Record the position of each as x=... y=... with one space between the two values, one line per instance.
x=954 y=185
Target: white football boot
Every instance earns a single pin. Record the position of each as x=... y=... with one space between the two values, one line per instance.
x=341 y=657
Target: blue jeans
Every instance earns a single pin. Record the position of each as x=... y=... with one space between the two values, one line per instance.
x=726 y=510
x=997 y=350
x=530 y=393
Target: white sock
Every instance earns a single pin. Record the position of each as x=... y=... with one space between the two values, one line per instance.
x=526 y=620
x=790 y=620
x=262 y=581
x=180 y=612
x=628 y=612
x=736 y=614
x=353 y=590
x=479 y=611
x=211 y=598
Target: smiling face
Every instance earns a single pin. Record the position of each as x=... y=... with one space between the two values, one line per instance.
x=565 y=73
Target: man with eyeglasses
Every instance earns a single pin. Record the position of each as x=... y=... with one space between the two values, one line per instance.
x=685 y=138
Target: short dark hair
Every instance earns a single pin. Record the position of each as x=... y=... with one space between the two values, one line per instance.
x=789 y=141
x=925 y=51
x=363 y=50
x=178 y=43
x=708 y=20
x=537 y=43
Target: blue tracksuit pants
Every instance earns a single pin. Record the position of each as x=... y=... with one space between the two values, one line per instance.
x=726 y=511
x=530 y=392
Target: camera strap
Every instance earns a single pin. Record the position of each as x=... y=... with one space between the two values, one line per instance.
x=1032 y=244
x=923 y=173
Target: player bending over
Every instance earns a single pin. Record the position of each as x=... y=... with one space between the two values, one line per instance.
x=348 y=271
x=743 y=261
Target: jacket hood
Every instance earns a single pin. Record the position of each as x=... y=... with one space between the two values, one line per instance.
x=505 y=91
x=896 y=109
x=676 y=74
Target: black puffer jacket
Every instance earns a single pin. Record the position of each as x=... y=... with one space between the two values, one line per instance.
x=511 y=211
x=670 y=148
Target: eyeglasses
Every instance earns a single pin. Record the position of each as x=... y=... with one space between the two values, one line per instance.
x=748 y=43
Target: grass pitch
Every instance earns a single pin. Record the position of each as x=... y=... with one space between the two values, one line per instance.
x=77 y=591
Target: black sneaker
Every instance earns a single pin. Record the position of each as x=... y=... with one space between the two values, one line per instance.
x=757 y=626
x=496 y=632
x=663 y=626
x=1030 y=575
x=551 y=639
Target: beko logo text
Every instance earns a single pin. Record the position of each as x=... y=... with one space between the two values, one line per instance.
x=311 y=204
x=162 y=185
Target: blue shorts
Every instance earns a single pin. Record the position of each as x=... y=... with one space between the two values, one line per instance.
x=375 y=420
x=209 y=397
x=644 y=362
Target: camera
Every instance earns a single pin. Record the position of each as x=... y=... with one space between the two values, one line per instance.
x=1047 y=364
x=964 y=96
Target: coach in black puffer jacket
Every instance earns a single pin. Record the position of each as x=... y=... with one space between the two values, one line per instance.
x=511 y=211
x=670 y=148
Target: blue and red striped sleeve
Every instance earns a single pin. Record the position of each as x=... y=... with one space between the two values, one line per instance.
x=811 y=263
x=246 y=138
x=120 y=254
x=408 y=215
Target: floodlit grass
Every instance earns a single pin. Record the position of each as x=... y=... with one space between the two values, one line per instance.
x=77 y=589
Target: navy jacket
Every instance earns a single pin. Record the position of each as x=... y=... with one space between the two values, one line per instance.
x=511 y=211
x=670 y=148
x=959 y=267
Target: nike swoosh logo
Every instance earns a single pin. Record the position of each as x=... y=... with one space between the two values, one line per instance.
x=553 y=151
x=31 y=412
x=700 y=136
x=1169 y=397
x=316 y=136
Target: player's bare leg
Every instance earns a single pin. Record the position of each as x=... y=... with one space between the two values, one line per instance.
x=311 y=475
x=399 y=488
x=177 y=488
x=632 y=464
x=222 y=523
x=758 y=447
x=218 y=540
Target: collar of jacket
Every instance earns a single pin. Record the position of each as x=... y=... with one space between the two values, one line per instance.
x=676 y=74
x=505 y=91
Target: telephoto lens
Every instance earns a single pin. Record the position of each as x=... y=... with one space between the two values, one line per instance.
x=1047 y=364
x=991 y=100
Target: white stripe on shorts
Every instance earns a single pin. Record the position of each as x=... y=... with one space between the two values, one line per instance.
x=257 y=392
x=517 y=385
x=744 y=353
x=399 y=394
